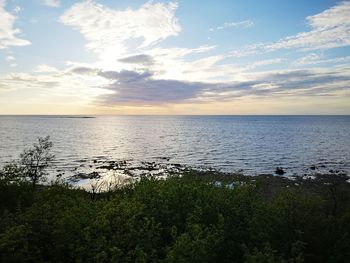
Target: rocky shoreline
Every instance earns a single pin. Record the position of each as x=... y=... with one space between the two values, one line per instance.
x=126 y=171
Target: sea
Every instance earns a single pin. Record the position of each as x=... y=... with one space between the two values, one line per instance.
x=250 y=145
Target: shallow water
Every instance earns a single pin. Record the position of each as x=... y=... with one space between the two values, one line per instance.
x=249 y=144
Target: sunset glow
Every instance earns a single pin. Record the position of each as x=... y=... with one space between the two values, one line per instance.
x=160 y=57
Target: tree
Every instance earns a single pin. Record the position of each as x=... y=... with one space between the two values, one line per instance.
x=35 y=160
x=11 y=172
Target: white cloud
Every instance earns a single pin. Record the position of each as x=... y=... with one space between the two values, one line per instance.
x=127 y=40
x=8 y=31
x=248 y=50
x=43 y=68
x=176 y=63
x=115 y=33
x=173 y=63
x=138 y=88
x=265 y=62
x=314 y=58
x=328 y=29
x=51 y=3
x=309 y=59
x=47 y=81
x=10 y=58
x=17 y=9
x=240 y=24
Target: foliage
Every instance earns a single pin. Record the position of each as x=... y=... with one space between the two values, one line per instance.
x=11 y=172
x=173 y=220
x=32 y=165
x=35 y=160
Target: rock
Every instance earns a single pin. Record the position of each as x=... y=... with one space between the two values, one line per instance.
x=92 y=175
x=217 y=183
x=165 y=158
x=279 y=171
x=230 y=186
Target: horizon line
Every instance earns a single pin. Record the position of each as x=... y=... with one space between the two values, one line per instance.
x=96 y=115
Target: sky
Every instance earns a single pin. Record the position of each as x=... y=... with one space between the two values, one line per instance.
x=174 y=57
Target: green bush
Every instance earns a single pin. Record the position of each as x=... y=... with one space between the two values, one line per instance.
x=173 y=220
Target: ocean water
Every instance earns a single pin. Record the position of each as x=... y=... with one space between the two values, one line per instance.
x=248 y=144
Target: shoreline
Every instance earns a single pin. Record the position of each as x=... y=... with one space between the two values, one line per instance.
x=108 y=170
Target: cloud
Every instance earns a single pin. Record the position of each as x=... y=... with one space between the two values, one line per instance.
x=17 y=9
x=51 y=3
x=140 y=88
x=129 y=39
x=262 y=63
x=328 y=29
x=17 y=81
x=309 y=59
x=8 y=31
x=142 y=59
x=142 y=73
x=315 y=58
x=83 y=70
x=288 y=83
x=179 y=64
x=167 y=63
x=10 y=58
x=176 y=63
x=115 y=33
x=248 y=50
x=241 y=24
x=43 y=68
x=307 y=78
x=130 y=87
x=46 y=79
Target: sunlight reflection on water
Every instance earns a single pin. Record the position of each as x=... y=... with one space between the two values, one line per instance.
x=253 y=144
